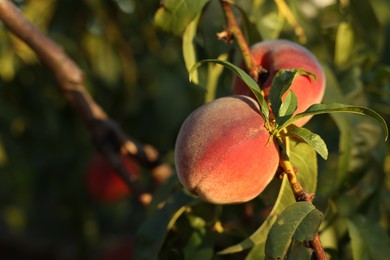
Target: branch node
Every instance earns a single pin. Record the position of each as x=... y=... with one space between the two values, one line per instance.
x=225 y=35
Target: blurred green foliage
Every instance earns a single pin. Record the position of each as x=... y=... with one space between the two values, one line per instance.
x=138 y=74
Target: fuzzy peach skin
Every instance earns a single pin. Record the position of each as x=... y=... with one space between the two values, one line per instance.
x=222 y=152
x=283 y=54
x=104 y=183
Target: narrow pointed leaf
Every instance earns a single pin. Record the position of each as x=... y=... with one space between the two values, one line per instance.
x=318 y=109
x=214 y=71
x=188 y=47
x=289 y=105
x=344 y=44
x=310 y=138
x=281 y=84
x=249 y=81
x=287 y=109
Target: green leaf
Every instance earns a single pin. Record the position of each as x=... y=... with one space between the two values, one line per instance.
x=289 y=105
x=299 y=251
x=303 y=157
x=344 y=44
x=287 y=225
x=317 y=109
x=213 y=73
x=368 y=239
x=287 y=109
x=309 y=227
x=199 y=246
x=285 y=198
x=257 y=252
x=280 y=85
x=151 y=234
x=269 y=25
x=311 y=138
x=188 y=47
x=249 y=81
x=174 y=15
x=200 y=243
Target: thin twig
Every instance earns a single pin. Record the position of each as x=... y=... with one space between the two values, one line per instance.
x=234 y=29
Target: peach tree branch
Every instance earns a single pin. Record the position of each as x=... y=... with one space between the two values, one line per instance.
x=110 y=139
x=285 y=163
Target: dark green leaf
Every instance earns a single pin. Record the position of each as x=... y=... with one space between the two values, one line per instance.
x=370 y=27
x=281 y=234
x=309 y=227
x=198 y=246
x=174 y=15
x=249 y=81
x=299 y=251
x=152 y=232
x=368 y=239
x=303 y=157
x=280 y=85
x=317 y=109
x=311 y=138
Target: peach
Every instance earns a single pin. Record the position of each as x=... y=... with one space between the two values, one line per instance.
x=104 y=183
x=282 y=54
x=222 y=152
x=124 y=250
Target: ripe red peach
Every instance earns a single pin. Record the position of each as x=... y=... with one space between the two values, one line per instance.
x=222 y=151
x=283 y=54
x=104 y=183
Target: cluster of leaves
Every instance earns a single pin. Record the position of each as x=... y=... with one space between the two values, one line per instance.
x=267 y=238
x=139 y=75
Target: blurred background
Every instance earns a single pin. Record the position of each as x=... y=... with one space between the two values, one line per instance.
x=137 y=73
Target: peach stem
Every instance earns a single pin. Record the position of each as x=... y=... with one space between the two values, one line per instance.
x=299 y=193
